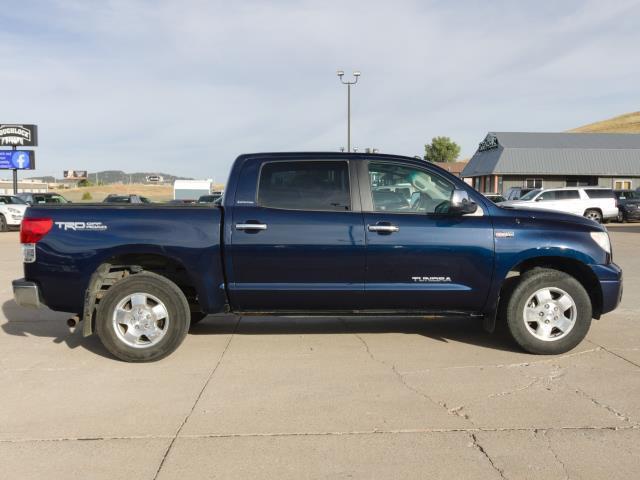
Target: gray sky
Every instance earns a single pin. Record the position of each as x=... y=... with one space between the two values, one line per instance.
x=185 y=86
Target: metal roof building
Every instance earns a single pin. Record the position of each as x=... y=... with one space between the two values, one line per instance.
x=550 y=160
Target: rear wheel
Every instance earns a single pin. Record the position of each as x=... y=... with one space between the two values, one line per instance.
x=594 y=215
x=142 y=318
x=3 y=224
x=548 y=312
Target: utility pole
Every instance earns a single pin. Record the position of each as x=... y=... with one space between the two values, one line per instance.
x=356 y=75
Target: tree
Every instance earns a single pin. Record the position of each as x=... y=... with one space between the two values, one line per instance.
x=441 y=149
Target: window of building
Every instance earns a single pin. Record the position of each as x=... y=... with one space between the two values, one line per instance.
x=622 y=184
x=533 y=183
x=305 y=186
x=402 y=189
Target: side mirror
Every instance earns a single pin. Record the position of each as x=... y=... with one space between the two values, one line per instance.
x=461 y=204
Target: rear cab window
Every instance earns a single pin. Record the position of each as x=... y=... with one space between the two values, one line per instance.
x=305 y=185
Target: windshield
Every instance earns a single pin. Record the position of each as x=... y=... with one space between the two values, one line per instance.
x=530 y=195
x=10 y=200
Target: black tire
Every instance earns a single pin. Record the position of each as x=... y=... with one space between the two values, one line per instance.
x=533 y=281
x=3 y=224
x=197 y=317
x=593 y=214
x=172 y=298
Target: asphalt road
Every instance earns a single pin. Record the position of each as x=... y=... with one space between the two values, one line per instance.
x=321 y=398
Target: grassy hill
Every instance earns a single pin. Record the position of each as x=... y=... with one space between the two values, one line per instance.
x=627 y=123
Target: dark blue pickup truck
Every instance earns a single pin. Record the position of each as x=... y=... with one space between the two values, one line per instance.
x=319 y=233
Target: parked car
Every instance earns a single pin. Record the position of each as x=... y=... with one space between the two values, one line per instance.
x=40 y=198
x=12 y=210
x=304 y=234
x=495 y=197
x=114 y=198
x=628 y=205
x=516 y=193
x=598 y=204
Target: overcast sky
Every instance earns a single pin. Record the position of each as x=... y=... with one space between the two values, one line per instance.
x=183 y=87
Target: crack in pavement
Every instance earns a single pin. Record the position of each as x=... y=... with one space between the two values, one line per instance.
x=609 y=408
x=193 y=407
x=330 y=433
x=509 y=365
x=480 y=448
x=615 y=354
x=456 y=412
x=554 y=453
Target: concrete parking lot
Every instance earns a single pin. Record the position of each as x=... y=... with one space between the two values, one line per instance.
x=315 y=398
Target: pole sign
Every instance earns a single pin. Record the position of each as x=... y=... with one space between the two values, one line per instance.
x=17 y=160
x=12 y=135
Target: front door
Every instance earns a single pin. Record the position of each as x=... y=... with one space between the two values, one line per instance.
x=419 y=256
x=301 y=245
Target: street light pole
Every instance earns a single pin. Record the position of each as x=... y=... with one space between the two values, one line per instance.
x=356 y=75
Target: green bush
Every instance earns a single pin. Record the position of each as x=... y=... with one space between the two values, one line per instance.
x=87 y=196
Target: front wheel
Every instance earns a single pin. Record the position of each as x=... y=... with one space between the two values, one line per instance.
x=3 y=224
x=142 y=318
x=620 y=217
x=549 y=312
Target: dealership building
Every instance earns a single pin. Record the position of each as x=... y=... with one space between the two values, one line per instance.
x=551 y=160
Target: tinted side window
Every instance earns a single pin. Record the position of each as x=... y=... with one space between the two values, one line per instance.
x=600 y=193
x=546 y=196
x=309 y=185
x=404 y=189
x=567 y=195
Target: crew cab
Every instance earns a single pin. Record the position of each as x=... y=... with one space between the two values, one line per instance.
x=319 y=234
x=595 y=203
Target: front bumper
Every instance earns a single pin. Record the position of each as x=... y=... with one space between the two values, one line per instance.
x=610 y=278
x=26 y=294
x=631 y=213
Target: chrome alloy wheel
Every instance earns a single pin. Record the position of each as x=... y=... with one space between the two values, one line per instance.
x=140 y=320
x=550 y=314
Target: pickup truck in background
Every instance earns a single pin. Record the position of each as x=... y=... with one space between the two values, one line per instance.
x=319 y=234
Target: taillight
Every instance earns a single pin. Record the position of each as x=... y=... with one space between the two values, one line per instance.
x=33 y=229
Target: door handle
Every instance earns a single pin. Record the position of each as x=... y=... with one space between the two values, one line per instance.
x=251 y=226
x=383 y=228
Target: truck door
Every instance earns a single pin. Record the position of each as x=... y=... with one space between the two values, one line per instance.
x=300 y=244
x=419 y=256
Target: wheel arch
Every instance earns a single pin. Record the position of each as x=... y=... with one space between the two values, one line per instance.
x=120 y=266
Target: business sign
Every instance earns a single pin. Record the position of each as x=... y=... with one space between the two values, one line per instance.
x=17 y=160
x=75 y=174
x=490 y=141
x=18 y=135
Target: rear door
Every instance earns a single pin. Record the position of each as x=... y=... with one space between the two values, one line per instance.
x=299 y=243
x=418 y=256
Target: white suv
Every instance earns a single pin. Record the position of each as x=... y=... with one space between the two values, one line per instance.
x=11 y=211
x=598 y=204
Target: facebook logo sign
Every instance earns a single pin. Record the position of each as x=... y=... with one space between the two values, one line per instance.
x=17 y=159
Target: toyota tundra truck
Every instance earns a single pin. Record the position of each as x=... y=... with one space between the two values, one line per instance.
x=319 y=234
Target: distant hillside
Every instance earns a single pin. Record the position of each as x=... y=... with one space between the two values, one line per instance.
x=627 y=123
x=118 y=176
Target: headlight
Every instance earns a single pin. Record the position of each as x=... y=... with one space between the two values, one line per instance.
x=602 y=239
x=14 y=210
